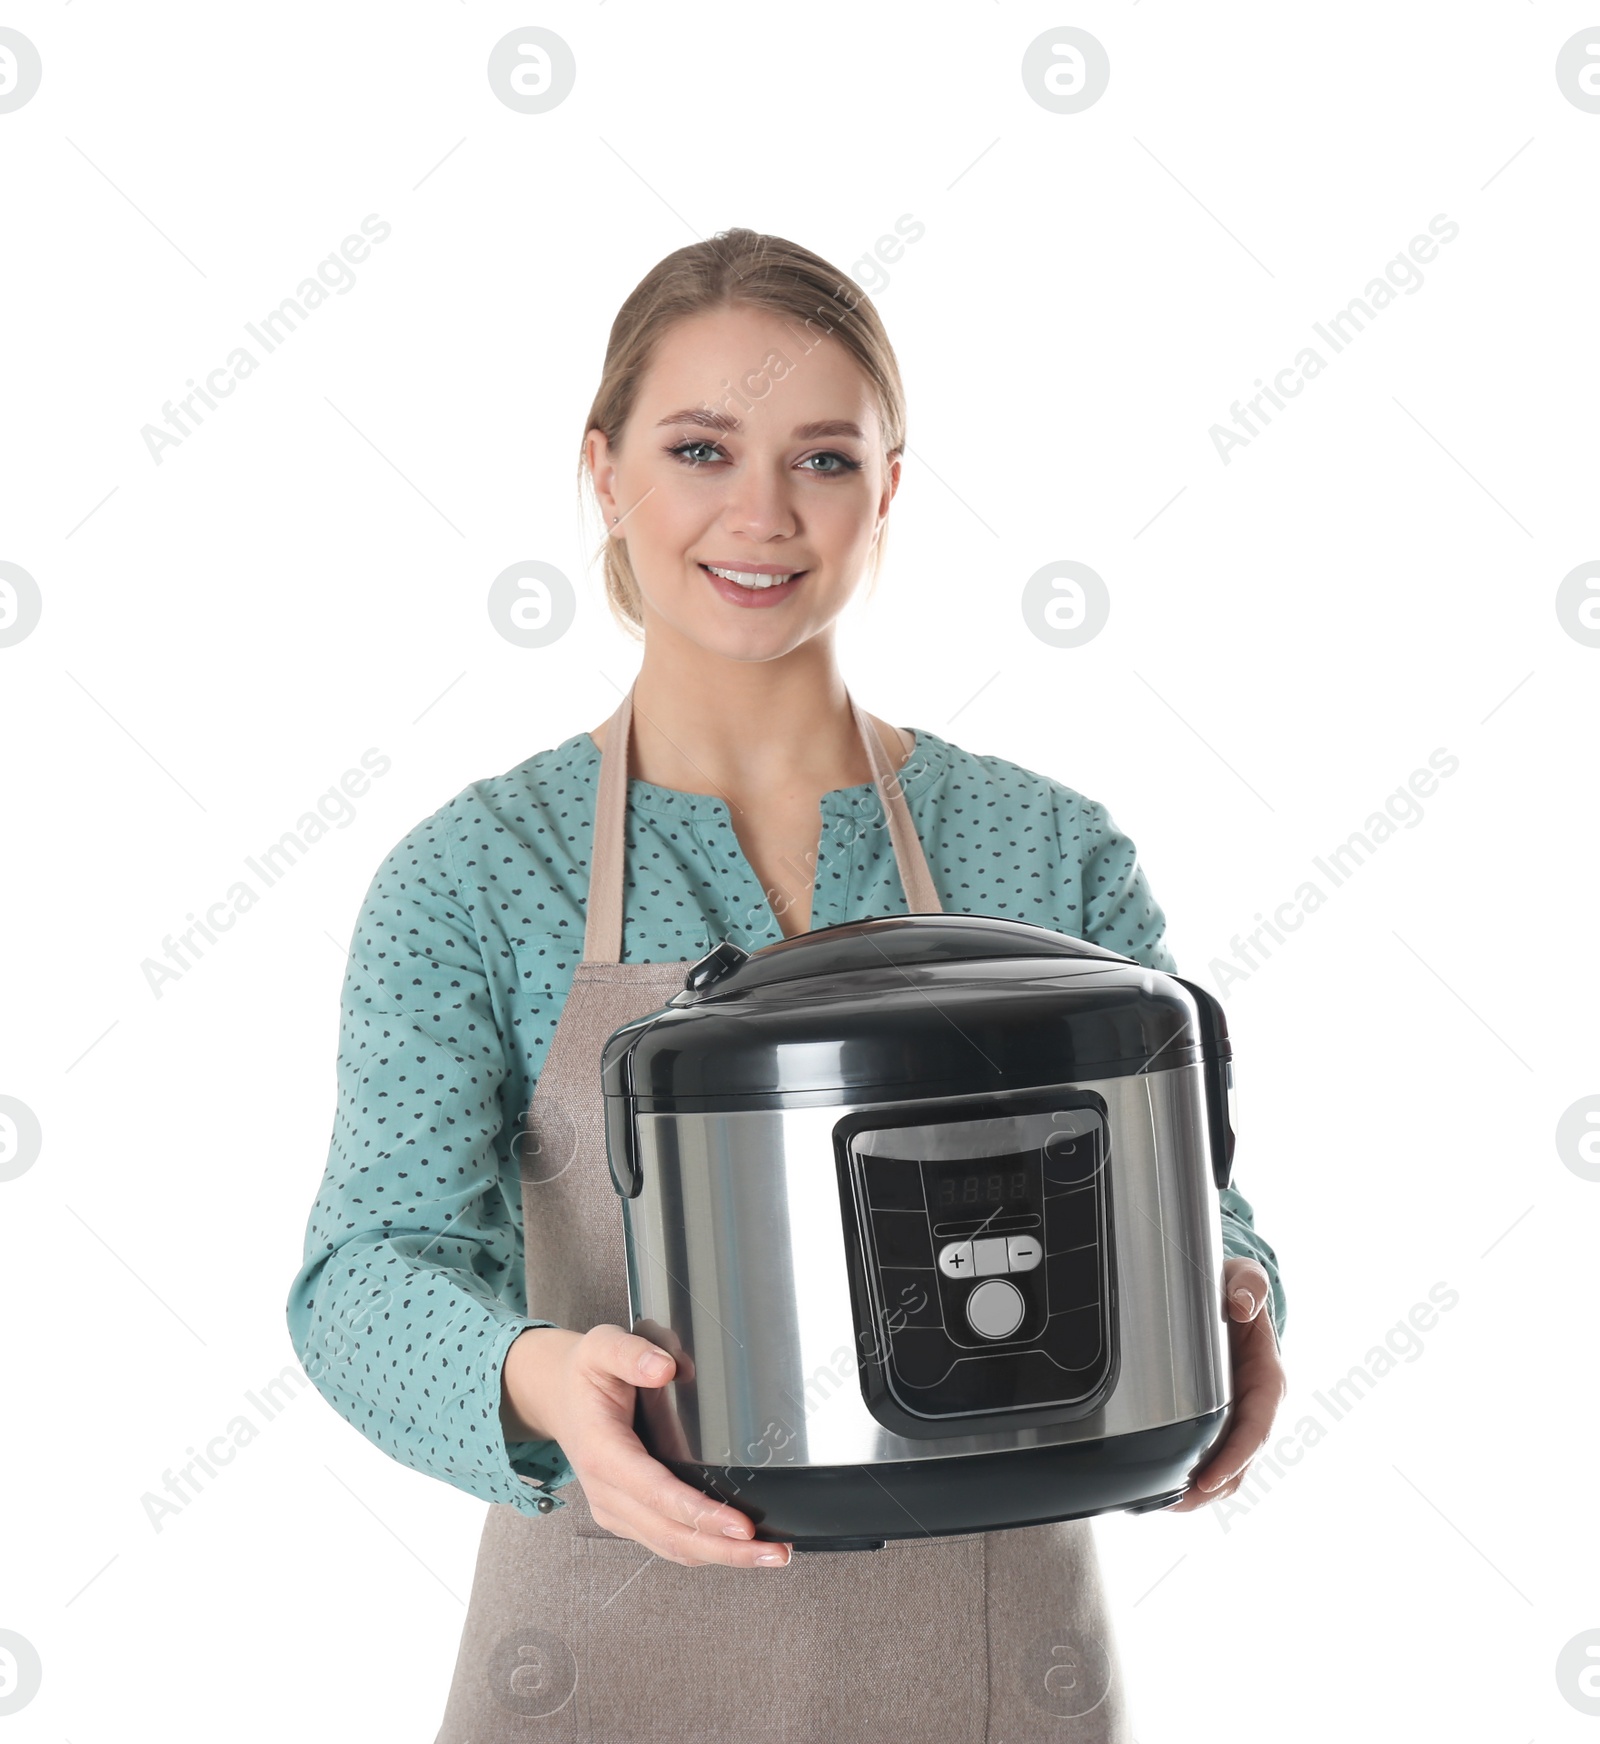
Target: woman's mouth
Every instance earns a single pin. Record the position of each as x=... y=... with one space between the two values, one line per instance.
x=752 y=587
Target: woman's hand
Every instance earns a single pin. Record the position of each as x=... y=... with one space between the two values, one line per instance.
x=1258 y=1386
x=577 y=1389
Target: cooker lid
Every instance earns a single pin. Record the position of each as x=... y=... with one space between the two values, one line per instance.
x=929 y=1005
x=877 y=944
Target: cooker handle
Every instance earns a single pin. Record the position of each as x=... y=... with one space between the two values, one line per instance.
x=1219 y=1108
x=621 y=1157
x=1218 y=1078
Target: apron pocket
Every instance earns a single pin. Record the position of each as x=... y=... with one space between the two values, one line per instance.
x=884 y=1645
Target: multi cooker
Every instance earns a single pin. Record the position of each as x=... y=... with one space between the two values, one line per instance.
x=926 y=1207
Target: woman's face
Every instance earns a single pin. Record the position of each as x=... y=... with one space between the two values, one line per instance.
x=749 y=453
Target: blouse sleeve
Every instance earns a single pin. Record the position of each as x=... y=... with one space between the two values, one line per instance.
x=1120 y=913
x=411 y=1286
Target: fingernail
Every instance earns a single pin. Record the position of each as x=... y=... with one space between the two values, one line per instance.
x=735 y=1532
x=1215 y=1483
x=1245 y=1300
x=654 y=1364
x=772 y=1559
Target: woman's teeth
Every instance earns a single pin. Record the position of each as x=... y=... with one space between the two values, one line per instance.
x=745 y=579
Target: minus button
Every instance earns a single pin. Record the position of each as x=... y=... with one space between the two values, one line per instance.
x=1023 y=1252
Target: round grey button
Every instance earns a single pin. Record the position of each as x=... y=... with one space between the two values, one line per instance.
x=995 y=1308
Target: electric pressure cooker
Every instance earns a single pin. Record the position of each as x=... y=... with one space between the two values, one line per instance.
x=926 y=1207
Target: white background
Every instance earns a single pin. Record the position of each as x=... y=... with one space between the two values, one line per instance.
x=1291 y=635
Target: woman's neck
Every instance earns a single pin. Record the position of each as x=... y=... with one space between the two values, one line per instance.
x=758 y=728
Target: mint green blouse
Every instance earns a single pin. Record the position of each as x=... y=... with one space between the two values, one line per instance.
x=412 y=1285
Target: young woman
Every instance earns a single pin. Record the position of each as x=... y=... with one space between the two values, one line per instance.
x=461 y=1299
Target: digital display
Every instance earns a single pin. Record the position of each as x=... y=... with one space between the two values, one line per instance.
x=981 y=1190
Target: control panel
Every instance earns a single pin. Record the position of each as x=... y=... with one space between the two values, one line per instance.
x=985 y=1244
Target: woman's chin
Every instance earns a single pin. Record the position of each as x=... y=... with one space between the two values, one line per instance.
x=733 y=634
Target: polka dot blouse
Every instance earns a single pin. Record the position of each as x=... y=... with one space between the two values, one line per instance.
x=412 y=1284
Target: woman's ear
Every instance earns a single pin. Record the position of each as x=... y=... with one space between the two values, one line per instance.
x=891 y=484
x=603 y=473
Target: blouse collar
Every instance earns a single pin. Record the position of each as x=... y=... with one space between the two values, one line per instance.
x=920 y=769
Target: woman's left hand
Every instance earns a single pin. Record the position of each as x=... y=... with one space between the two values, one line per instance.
x=1258 y=1386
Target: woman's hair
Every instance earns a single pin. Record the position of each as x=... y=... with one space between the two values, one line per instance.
x=734 y=269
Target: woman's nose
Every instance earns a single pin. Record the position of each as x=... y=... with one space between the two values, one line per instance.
x=758 y=505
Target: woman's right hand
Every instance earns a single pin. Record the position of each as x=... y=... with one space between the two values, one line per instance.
x=577 y=1389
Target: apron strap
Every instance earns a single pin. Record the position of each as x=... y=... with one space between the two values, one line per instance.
x=602 y=938
x=921 y=896
x=602 y=934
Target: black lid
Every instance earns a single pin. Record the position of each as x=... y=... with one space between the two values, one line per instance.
x=921 y=1004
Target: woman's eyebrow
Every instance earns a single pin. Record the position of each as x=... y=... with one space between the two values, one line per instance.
x=709 y=419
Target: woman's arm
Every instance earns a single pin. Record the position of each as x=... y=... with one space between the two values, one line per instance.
x=410 y=1290
x=1120 y=913
x=527 y=1382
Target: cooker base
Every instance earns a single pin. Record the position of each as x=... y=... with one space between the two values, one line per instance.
x=861 y=1507
x=814 y=1544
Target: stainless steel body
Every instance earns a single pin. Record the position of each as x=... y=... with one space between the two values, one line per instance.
x=772 y=1346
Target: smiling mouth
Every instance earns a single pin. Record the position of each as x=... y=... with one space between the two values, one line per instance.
x=756 y=581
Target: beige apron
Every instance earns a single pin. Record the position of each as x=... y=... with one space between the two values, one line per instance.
x=573 y=1634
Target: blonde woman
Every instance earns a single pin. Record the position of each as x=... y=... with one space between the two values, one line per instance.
x=461 y=1306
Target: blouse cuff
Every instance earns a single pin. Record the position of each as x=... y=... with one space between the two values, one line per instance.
x=526 y=1473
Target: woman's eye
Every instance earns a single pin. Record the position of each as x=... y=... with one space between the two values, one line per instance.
x=683 y=451
x=846 y=464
